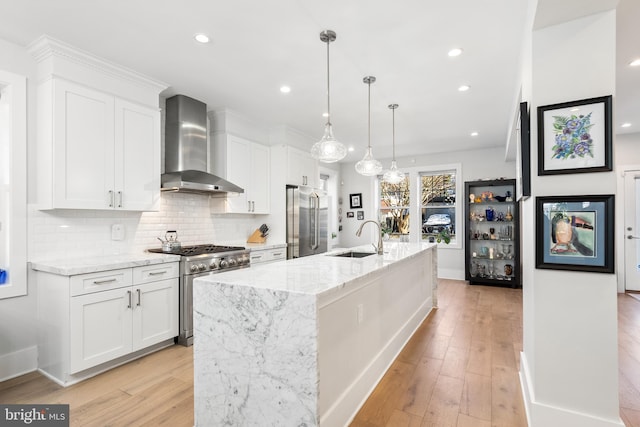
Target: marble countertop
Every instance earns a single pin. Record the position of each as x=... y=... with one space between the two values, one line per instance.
x=71 y=267
x=318 y=274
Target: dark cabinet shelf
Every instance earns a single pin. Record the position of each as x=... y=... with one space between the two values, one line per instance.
x=492 y=238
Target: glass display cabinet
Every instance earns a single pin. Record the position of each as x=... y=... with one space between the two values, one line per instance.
x=492 y=245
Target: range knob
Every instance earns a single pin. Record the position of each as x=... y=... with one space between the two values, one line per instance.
x=224 y=263
x=233 y=262
x=213 y=265
x=193 y=268
x=202 y=267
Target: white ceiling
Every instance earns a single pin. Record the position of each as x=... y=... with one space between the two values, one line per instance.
x=258 y=46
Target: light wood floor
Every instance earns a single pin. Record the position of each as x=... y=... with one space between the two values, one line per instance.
x=460 y=369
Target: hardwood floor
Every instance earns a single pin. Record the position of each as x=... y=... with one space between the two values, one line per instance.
x=459 y=369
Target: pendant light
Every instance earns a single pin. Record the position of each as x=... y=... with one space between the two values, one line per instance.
x=369 y=166
x=328 y=149
x=393 y=175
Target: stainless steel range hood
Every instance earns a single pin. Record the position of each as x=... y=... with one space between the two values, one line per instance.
x=185 y=150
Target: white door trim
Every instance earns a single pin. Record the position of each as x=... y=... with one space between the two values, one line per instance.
x=620 y=212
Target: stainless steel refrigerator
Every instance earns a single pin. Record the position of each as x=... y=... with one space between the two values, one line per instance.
x=307 y=215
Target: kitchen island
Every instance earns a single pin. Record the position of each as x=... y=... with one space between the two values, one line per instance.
x=305 y=341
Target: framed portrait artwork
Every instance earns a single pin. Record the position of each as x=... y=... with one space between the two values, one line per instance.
x=575 y=233
x=349 y=214
x=355 y=200
x=360 y=215
x=575 y=137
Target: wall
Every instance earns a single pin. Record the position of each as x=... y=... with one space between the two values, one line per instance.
x=476 y=164
x=569 y=366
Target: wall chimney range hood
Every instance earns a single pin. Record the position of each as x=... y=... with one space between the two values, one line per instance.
x=185 y=150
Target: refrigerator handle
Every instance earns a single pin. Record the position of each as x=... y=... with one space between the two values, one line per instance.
x=314 y=201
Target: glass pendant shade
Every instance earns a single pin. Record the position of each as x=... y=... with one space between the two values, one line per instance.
x=393 y=175
x=328 y=149
x=368 y=166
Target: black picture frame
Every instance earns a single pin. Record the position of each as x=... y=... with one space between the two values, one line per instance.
x=360 y=215
x=575 y=137
x=575 y=233
x=524 y=153
x=355 y=200
x=350 y=214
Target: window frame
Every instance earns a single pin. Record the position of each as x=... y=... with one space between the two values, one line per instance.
x=415 y=227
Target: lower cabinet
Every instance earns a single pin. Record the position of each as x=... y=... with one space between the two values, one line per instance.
x=99 y=317
x=106 y=325
x=263 y=256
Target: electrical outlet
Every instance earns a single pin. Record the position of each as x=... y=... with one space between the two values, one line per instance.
x=360 y=313
x=117 y=232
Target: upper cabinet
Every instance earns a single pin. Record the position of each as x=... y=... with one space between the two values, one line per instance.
x=98 y=133
x=302 y=168
x=246 y=164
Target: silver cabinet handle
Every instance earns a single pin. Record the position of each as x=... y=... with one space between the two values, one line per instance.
x=102 y=282
x=139 y=297
x=110 y=198
x=256 y=257
x=119 y=199
x=632 y=237
x=248 y=206
x=157 y=273
x=253 y=206
x=129 y=293
x=277 y=253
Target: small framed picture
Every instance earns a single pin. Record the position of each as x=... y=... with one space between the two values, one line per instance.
x=349 y=214
x=361 y=215
x=575 y=137
x=355 y=200
x=575 y=233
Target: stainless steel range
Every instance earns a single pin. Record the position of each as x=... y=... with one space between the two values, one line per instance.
x=197 y=261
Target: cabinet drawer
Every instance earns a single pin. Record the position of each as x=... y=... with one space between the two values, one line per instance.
x=268 y=255
x=277 y=254
x=100 y=281
x=155 y=272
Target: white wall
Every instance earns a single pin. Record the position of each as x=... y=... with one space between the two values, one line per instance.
x=476 y=164
x=569 y=365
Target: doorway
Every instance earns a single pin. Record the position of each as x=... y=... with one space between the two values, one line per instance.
x=632 y=230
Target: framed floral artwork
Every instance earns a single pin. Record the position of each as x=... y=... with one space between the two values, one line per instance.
x=575 y=137
x=575 y=233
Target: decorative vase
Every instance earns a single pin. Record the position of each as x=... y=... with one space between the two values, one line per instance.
x=508 y=216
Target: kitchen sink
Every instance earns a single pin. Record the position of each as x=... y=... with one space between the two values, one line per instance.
x=353 y=254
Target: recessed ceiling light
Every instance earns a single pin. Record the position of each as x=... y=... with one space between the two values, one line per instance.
x=350 y=148
x=626 y=125
x=474 y=133
x=464 y=88
x=635 y=62
x=285 y=89
x=455 y=52
x=573 y=110
x=202 y=38
x=325 y=114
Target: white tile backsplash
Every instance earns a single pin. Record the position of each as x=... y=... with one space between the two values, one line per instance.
x=63 y=234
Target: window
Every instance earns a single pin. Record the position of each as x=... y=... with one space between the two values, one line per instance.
x=438 y=204
x=395 y=202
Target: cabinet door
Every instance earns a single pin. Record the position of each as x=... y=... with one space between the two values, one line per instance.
x=83 y=156
x=238 y=161
x=155 y=312
x=137 y=153
x=100 y=327
x=302 y=169
x=260 y=179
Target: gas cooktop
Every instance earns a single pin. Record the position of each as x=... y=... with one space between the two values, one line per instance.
x=199 y=250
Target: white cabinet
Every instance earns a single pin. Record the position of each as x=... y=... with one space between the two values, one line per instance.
x=302 y=168
x=103 y=316
x=246 y=164
x=96 y=151
x=263 y=256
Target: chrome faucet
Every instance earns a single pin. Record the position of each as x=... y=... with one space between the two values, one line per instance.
x=359 y=232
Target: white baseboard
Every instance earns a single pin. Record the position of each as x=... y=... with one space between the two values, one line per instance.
x=18 y=363
x=545 y=415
